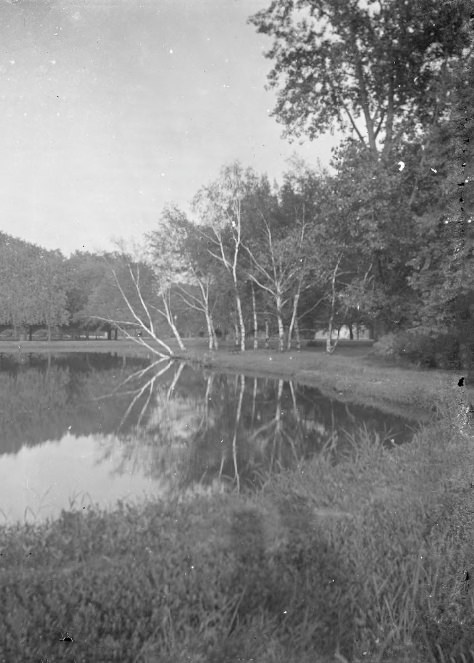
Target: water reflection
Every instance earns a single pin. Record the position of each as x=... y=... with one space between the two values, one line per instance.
x=112 y=427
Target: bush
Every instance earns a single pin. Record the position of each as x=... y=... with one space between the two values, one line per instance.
x=385 y=346
x=421 y=349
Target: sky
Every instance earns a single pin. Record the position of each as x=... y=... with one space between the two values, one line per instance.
x=112 y=109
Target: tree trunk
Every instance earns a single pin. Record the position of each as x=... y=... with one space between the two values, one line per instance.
x=351 y=332
x=210 y=332
x=49 y=333
x=236 y=334
x=281 y=328
x=30 y=333
x=293 y=319
x=297 y=335
x=169 y=318
x=267 y=334
x=255 y=319
x=177 y=335
x=115 y=334
x=329 y=347
x=241 y=321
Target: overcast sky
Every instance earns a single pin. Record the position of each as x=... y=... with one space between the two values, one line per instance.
x=111 y=109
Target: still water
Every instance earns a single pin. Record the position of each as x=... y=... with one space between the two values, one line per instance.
x=83 y=429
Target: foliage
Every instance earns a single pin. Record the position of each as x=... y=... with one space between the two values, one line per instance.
x=351 y=63
x=423 y=349
x=442 y=271
x=385 y=239
x=380 y=572
x=84 y=273
x=32 y=288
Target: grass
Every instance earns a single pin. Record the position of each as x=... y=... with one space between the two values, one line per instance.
x=363 y=560
x=351 y=374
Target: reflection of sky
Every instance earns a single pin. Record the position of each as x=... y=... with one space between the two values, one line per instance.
x=46 y=477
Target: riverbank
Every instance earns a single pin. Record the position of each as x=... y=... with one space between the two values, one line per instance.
x=363 y=560
x=52 y=347
x=351 y=374
x=360 y=560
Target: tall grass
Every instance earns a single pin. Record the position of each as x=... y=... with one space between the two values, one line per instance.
x=355 y=558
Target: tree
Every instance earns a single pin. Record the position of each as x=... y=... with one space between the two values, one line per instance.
x=49 y=290
x=443 y=269
x=85 y=271
x=219 y=207
x=194 y=275
x=32 y=291
x=128 y=298
x=278 y=268
x=379 y=67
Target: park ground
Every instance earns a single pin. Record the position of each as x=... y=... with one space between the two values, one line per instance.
x=366 y=559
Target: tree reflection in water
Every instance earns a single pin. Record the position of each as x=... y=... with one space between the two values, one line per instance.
x=206 y=429
x=170 y=421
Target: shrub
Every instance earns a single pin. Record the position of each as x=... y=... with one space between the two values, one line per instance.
x=385 y=346
x=421 y=349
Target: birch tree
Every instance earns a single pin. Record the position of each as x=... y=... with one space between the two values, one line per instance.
x=278 y=268
x=127 y=298
x=219 y=207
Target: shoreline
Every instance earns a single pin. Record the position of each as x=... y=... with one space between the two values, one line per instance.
x=268 y=553
x=411 y=393
x=351 y=374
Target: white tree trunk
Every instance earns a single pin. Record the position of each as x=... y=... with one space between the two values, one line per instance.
x=293 y=320
x=255 y=319
x=241 y=321
x=281 y=329
x=170 y=320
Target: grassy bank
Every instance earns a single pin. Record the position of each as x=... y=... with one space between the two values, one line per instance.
x=25 y=347
x=363 y=560
x=360 y=561
x=351 y=374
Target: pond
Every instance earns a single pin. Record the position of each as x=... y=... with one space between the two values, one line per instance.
x=83 y=429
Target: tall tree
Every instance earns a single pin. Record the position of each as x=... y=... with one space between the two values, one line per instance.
x=127 y=298
x=194 y=276
x=32 y=285
x=219 y=207
x=443 y=267
x=377 y=67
